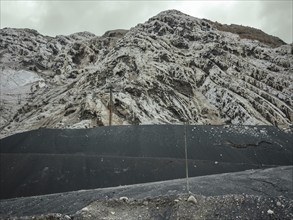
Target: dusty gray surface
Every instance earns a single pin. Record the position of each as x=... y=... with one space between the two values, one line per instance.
x=248 y=195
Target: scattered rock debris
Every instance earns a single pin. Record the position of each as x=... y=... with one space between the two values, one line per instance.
x=192 y=200
x=174 y=207
x=124 y=199
x=270 y=212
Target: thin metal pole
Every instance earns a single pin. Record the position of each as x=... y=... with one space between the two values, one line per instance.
x=186 y=160
x=110 y=107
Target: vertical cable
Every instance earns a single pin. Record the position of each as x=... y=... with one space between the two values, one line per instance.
x=186 y=160
x=110 y=107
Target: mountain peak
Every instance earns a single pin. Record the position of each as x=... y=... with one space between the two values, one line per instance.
x=172 y=12
x=171 y=69
x=17 y=31
x=243 y=32
x=115 y=33
x=250 y=33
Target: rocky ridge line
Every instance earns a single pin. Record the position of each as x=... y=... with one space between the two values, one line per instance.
x=170 y=69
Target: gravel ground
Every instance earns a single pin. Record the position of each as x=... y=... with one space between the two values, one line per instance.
x=181 y=207
x=253 y=194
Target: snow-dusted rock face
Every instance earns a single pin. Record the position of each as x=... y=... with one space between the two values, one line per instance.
x=171 y=69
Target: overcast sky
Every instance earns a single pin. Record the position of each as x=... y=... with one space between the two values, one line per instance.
x=67 y=17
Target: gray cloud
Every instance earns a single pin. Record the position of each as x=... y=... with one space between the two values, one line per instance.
x=273 y=17
x=281 y=22
x=67 y=17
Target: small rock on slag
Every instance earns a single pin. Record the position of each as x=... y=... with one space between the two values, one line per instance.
x=191 y=199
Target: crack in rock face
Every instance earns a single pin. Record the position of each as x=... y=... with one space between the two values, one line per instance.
x=170 y=69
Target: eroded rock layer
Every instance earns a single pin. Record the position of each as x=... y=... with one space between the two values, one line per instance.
x=170 y=69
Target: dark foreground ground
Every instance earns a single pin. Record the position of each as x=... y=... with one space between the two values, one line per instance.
x=237 y=172
x=253 y=194
x=47 y=161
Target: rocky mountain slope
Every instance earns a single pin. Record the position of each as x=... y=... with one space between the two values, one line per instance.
x=170 y=69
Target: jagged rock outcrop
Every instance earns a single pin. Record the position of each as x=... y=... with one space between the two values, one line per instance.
x=170 y=69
